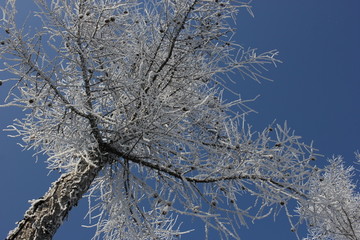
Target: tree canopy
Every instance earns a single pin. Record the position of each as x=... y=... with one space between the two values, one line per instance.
x=126 y=98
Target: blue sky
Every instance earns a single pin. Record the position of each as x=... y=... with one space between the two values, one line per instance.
x=316 y=90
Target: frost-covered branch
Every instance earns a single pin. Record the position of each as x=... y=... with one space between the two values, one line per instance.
x=332 y=210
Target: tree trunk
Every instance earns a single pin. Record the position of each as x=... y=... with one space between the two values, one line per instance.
x=46 y=214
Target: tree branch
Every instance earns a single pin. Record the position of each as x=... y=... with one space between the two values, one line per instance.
x=179 y=175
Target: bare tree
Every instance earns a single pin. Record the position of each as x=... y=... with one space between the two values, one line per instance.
x=127 y=99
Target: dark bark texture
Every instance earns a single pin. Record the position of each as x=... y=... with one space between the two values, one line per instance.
x=46 y=214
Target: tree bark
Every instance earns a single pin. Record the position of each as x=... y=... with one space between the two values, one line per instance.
x=46 y=214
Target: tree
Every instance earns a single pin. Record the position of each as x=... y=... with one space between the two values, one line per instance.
x=126 y=97
x=332 y=209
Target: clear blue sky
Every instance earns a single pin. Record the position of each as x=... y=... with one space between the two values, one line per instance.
x=316 y=90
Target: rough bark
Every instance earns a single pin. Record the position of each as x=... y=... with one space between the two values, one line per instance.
x=46 y=214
